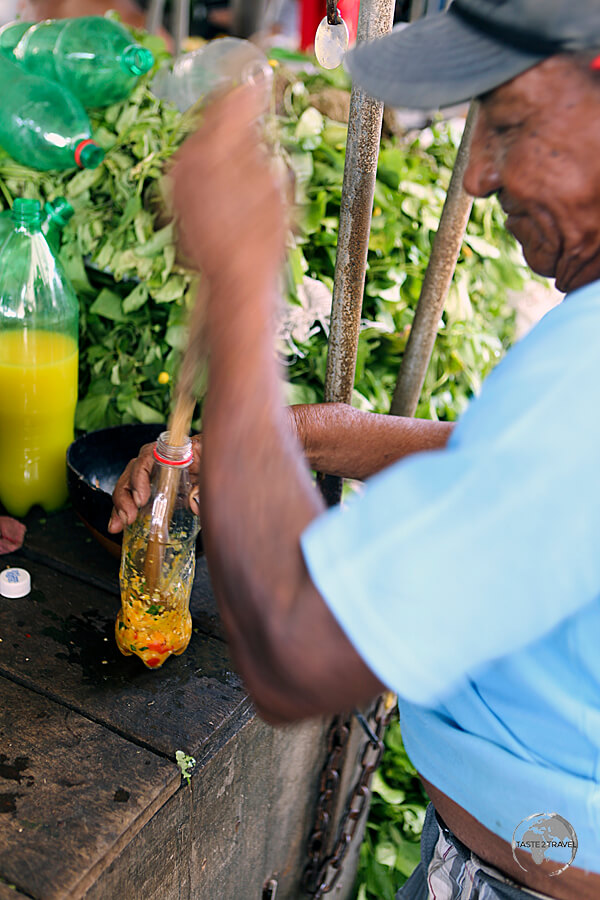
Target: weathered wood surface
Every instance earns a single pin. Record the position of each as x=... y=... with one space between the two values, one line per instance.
x=11 y=893
x=247 y=815
x=63 y=542
x=59 y=640
x=245 y=820
x=71 y=794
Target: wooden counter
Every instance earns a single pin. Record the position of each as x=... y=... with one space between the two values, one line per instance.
x=92 y=803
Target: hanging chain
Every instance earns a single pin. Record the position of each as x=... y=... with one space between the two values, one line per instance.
x=322 y=874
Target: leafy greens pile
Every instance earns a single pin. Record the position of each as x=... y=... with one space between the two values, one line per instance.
x=413 y=174
x=119 y=252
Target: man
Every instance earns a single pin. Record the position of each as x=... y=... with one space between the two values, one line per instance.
x=466 y=578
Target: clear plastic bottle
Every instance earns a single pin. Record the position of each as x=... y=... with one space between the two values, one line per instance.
x=38 y=366
x=220 y=64
x=158 y=562
x=42 y=124
x=95 y=58
x=55 y=215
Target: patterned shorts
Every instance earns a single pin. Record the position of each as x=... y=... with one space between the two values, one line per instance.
x=450 y=871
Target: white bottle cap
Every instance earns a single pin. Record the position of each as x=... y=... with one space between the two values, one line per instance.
x=15 y=583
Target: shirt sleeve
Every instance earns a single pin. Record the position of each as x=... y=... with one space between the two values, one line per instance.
x=451 y=559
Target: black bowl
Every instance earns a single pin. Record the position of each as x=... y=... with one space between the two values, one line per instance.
x=94 y=464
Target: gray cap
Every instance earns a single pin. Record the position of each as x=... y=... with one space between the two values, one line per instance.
x=472 y=48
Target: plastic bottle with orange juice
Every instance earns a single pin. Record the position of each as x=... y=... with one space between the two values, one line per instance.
x=38 y=366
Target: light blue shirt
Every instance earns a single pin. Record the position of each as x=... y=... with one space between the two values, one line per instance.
x=469 y=581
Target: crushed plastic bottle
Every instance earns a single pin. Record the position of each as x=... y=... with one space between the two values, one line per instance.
x=42 y=124
x=55 y=215
x=38 y=366
x=96 y=58
x=218 y=65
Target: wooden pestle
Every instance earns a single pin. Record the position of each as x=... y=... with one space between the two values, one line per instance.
x=179 y=429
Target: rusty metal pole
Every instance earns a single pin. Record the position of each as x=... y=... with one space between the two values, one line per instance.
x=442 y=262
x=362 y=151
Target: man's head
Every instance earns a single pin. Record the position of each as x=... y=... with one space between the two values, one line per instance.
x=537 y=137
x=536 y=143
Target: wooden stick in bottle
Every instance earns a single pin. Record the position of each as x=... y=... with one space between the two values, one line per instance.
x=179 y=429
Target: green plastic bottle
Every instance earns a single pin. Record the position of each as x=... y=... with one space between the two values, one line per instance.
x=96 y=58
x=55 y=215
x=11 y=34
x=42 y=124
x=38 y=367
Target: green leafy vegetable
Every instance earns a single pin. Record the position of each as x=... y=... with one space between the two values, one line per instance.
x=120 y=254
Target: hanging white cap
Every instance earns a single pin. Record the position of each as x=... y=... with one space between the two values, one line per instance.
x=15 y=583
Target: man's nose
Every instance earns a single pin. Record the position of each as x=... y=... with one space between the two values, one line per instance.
x=482 y=175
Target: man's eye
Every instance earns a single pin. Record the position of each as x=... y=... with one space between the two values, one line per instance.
x=506 y=127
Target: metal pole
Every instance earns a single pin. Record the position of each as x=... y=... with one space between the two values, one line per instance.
x=154 y=15
x=362 y=151
x=442 y=262
x=248 y=17
x=181 y=26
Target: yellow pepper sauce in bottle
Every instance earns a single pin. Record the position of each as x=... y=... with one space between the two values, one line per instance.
x=154 y=621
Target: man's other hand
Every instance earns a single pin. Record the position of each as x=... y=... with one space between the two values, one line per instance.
x=132 y=490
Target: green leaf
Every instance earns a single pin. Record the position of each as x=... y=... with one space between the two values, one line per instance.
x=136 y=299
x=173 y=289
x=310 y=124
x=83 y=181
x=482 y=246
x=108 y=304
x=158 y=241
x=390 y=795
x=90 y=412
x=144 y=413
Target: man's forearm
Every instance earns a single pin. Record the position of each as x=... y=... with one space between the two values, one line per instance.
x=256 y=489
x=257 y=495
x=341 y=440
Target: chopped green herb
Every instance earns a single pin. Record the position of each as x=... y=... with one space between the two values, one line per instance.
x=186 y=764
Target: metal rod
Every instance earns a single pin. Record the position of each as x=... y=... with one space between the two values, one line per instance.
x=442 y=262
x=154 y=15
x=362 y=151
x=181 y=27
x=248 y=17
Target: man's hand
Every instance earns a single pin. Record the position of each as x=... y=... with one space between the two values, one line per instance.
x=132 y=490
x=12 y=534
x=229 y=207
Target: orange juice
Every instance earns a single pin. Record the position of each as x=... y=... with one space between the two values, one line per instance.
x=38 y=392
